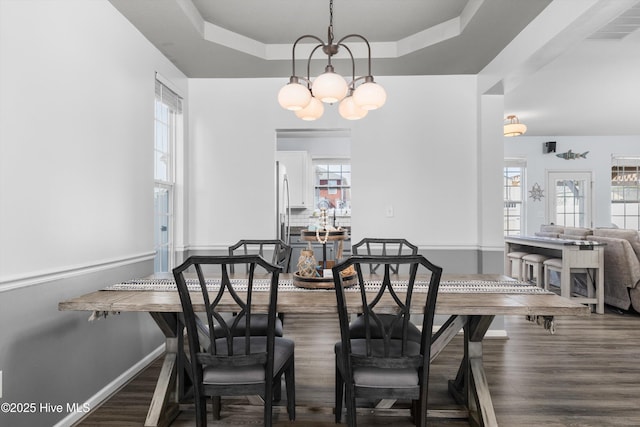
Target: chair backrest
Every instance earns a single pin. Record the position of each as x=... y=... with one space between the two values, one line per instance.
x=209 y=301
x=279 y=251
x=383 y=352
x=383 y=246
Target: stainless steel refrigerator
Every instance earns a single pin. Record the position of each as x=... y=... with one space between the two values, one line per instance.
x=283 y=204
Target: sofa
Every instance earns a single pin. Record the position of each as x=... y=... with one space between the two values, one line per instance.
x=621 y=260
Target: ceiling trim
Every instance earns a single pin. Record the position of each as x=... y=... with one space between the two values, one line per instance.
x=278 y=52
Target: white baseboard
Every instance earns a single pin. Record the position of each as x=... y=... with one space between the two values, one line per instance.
x=97 y=399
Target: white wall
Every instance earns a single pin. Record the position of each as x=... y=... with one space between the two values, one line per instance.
x=598 y=161
x=417 y=154
x=76 y=185
x=76 y=136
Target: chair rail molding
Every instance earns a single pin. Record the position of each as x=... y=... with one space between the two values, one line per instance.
x=38 y=277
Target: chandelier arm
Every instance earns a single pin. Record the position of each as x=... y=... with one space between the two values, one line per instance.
x=353 y=66
x=365 y=41
x=308 y=79
x=293 y=50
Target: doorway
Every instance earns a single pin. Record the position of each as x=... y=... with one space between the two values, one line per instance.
x=569 y=201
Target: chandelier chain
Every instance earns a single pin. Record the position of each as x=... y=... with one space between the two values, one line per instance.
x=330 y=21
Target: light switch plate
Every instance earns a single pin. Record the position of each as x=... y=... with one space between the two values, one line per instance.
x=389 y=211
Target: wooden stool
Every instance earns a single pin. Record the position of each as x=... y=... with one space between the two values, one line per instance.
x=549 y=265
x=532 y=268
x=515 y=261
x=555 y=264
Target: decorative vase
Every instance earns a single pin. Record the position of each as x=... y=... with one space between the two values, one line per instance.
x=307 y=264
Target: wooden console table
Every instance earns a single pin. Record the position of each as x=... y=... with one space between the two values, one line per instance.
x=584 y=254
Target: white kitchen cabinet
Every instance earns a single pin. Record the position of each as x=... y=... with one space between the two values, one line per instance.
x=297 y=164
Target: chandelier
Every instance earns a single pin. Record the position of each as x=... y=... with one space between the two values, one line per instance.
x=306 y=100
x=513 y=127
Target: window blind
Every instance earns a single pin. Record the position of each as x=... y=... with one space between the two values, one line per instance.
x=168 y=97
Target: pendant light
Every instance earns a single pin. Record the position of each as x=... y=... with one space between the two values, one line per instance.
x=330 y=87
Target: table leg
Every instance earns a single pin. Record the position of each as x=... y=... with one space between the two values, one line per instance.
x=170 y=387
x=470 y=387
x=565 y=277
x=600 y=282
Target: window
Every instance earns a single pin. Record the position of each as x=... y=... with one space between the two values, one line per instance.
x=513 y=183
x=168 y=119
x=625 y=192
x=332 y=184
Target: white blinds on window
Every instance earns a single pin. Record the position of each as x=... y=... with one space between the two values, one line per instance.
x=168 y=97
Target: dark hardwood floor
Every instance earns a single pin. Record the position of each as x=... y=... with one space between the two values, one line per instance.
x=587 y=374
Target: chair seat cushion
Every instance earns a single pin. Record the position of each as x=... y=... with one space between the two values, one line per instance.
x=369 y=376
x=250 y=374
x=258 y=326
x=517 y=255
x=554 y=262
x=357 y=328
x=535 y=258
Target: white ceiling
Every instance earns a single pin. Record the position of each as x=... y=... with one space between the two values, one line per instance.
x=580 y=81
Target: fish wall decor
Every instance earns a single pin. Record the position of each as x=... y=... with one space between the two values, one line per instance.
x=570 y=155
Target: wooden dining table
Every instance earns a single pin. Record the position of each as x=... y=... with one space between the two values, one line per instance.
x=471 y=311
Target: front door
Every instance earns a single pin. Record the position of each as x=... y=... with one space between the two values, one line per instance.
x=569 y=201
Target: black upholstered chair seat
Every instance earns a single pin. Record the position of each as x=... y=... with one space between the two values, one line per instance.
x=357 y=328
x=258 y=326
x=371 y=376
x=283 y=350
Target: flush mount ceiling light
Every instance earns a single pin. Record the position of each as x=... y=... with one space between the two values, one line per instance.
x=513 y=127
x=330 y=87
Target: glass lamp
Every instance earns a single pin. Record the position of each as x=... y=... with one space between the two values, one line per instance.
x=350 y=110
x=293 y=96
x=329 y=87
x=370 y=95
x=311 y=112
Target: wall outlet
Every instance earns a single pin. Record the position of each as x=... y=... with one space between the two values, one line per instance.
x=389 y=211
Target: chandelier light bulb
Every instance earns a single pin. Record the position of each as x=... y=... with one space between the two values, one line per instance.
x=293 y=96
x=311 y=112
x=350 y=110
x=329 y=87
x=370 y=95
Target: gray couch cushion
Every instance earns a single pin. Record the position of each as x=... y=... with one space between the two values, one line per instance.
x=571 y=237
x=546 y=234
x=551 y=228
x=578 y=232
x=631 y=236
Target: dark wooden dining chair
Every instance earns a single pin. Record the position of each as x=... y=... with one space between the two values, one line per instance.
x=279 y=251
x=231 y=363
x=390 y=366
x=383 y=246
x=280 y=255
